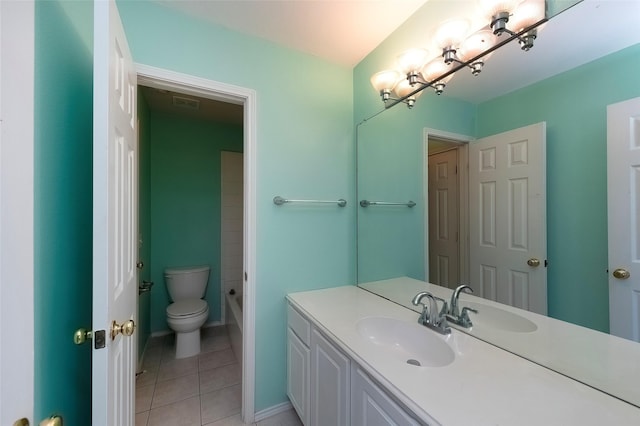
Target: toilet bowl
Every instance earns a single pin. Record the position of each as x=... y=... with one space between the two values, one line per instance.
x=188 y=312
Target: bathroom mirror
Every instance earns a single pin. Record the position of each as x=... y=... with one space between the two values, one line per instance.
x=392 y=240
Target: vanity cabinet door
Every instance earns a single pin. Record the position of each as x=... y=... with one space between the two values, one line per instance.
x=298 y=364
x=371 y=406
x=330 y=383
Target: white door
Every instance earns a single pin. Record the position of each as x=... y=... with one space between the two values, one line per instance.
x=443 y=219
x=114 y=219
x=16 y=211
x=623 y=188
x=507 y=229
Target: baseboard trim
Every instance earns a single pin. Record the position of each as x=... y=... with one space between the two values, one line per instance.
x=272 y=411
x=165 y=332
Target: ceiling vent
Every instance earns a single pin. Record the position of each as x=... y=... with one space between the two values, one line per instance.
x=186 y=103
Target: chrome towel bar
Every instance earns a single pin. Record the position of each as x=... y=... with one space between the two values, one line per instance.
x=278 y=201
x=367 y=203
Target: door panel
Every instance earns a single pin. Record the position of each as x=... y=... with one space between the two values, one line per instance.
x=444 y=263
x=623 y=188
x=114 y=218
x=17 y=213
x=507 y=194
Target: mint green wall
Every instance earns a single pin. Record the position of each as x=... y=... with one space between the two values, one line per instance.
x=185 y=202
x=304 y=150
x=574 y=105
x=391 y=155
x=62 y=198
x=144 y=219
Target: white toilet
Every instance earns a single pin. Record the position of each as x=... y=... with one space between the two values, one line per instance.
x=188 y=312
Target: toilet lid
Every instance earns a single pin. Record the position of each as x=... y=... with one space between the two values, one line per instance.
x=187 y=307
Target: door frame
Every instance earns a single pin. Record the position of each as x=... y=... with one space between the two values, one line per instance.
x=183 y=83
x=17 y=63
x=463 y=178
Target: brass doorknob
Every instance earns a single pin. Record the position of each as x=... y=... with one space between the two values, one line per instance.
x=533 y=262
x=52 y=421
x=82 y=335
x=126 y=328
x=621 y=274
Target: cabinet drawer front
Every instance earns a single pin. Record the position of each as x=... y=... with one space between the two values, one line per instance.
x=299 y=325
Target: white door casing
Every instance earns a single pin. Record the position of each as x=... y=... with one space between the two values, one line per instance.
x=462 y=142
x=623 y=190
x=114 y=218
x=507 y=198
x=187 y=84
x=17 y=32
x=443 y=219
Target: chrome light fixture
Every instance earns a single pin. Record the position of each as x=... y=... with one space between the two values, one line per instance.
x=507 y=20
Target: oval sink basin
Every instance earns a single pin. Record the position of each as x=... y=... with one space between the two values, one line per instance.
x=499 y=319
x=406 y=342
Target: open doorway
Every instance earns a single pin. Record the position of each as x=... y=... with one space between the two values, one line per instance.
x=447 y=218
x=229 y=171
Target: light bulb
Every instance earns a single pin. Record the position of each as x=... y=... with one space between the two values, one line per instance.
x=432 y=72
x=412 y=60
x=528 y=13
x=403 y=88
x=385 y=80
x=490 y=8
x=477 y=43
x=451 y=33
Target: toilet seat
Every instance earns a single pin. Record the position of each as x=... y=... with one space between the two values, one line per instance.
x=186 y=308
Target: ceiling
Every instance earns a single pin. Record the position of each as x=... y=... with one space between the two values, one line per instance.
x=340 y=31
x=345 y=31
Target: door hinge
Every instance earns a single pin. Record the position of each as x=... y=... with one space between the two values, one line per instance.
x=546 y=263
x=245 y=276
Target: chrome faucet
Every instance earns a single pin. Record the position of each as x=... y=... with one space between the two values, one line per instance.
x=454 y=298
x=455 y=315
x=430 y=317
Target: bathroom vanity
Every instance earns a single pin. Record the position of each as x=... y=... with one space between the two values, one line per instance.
x=355 y=358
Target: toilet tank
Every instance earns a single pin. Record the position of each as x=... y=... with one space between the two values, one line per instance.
x=186 y=282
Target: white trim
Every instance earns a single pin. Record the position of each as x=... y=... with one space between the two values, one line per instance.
x=188 y=84
x=17 y=59
x=463 y=173
x=273 y=411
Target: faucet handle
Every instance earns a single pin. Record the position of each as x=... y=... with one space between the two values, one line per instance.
x=464 y=316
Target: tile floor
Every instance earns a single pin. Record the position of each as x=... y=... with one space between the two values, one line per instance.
x=204 y=390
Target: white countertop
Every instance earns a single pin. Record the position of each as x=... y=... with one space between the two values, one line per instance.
x=483 y=386
x=606 y=362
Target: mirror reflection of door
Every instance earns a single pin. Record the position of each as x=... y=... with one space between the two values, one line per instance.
x=444 y=247
x=623 y=179
x=507 y=211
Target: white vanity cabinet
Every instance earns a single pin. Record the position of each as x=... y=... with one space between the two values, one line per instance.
x=327 y=388
x=298 y=363
x=330 y=383
x=372 y=406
